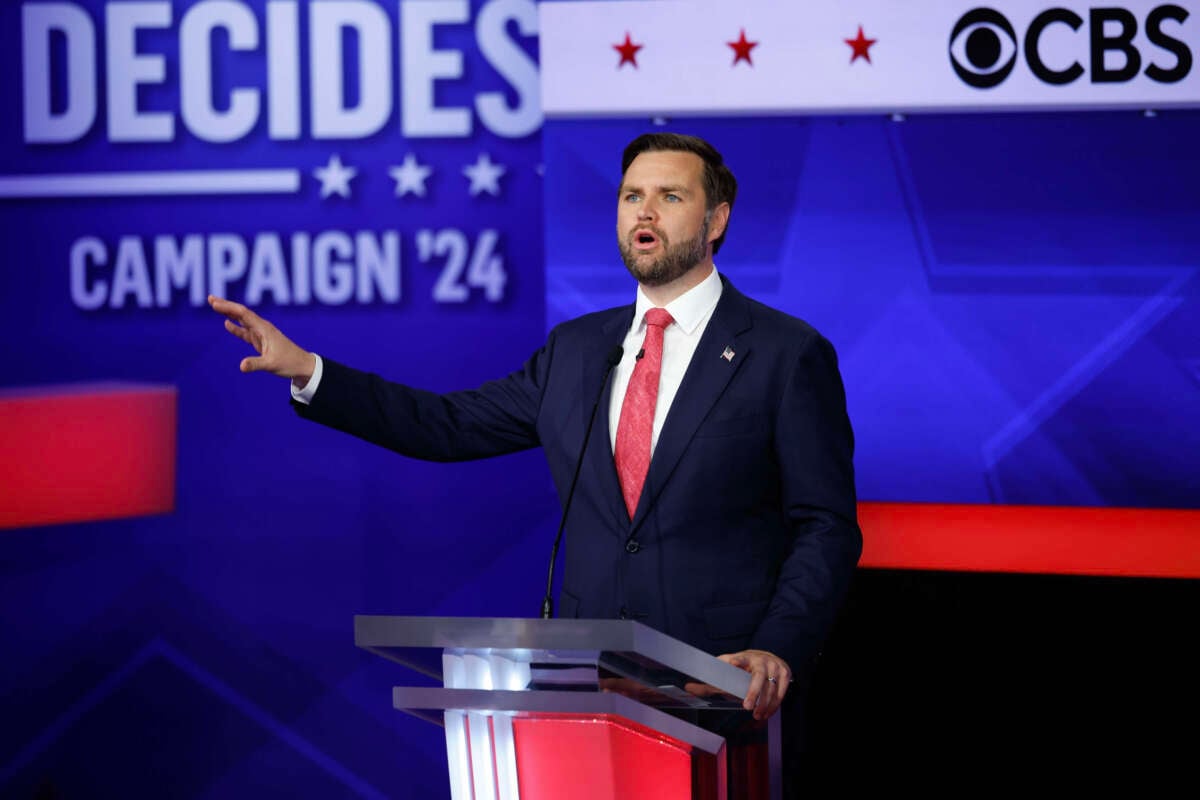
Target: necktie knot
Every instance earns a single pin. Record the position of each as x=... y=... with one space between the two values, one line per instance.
x=659 y=317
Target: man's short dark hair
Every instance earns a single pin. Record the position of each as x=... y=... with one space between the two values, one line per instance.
x=719 y=184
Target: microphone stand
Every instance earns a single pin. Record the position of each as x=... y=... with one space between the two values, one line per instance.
x=614 y=358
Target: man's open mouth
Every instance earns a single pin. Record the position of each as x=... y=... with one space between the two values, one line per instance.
x=645 y=239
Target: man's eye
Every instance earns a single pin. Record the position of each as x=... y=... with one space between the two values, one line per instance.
x=632 y=198
x=674 y=198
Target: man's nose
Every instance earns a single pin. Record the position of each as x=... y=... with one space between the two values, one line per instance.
x=648 y=210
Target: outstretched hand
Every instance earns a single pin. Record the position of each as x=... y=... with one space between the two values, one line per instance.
x=277 y=354
x=769 y=680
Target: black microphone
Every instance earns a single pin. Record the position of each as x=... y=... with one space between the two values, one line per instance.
x=640 y=355
x=614 y=358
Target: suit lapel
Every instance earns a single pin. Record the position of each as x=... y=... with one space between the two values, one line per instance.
x=599 y=459
x=705 y=380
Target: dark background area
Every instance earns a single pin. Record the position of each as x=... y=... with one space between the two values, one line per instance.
x=959 y=680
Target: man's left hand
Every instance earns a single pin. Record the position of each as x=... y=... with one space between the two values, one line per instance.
x=769 y=679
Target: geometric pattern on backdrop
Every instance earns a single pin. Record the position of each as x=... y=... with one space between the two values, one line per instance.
x=1013 y=297
x=217 y=638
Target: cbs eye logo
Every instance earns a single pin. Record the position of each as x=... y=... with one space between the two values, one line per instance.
x=983 y=48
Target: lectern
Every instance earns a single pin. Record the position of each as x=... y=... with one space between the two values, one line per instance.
x=546 y=709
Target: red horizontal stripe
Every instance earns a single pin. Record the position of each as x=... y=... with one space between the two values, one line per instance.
x=1163 y=543
x=80 y=453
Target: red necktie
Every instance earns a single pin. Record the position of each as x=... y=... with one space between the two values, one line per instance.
x=637 y=412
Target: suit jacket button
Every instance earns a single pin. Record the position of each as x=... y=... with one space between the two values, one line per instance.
x=632 y=546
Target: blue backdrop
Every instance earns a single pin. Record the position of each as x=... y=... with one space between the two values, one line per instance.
x=204 y=652
x=1013 y=297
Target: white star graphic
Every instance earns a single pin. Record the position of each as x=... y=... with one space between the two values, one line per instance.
x=335 y=177
x=485 y=175
x=410 y=176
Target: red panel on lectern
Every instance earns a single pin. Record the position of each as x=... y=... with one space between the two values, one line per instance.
x=599 y=758
x=100 y=451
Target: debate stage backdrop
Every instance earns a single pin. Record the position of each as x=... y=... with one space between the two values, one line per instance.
x=1013 y=296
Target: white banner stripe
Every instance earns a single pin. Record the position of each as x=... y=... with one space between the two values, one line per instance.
x=682 y=57
x=111 y=184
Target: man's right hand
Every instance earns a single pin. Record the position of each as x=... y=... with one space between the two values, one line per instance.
x=277 y=354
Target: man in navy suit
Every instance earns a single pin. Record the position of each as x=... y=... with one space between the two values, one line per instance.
x=739 y=535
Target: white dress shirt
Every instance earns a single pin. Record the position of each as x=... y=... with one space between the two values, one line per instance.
x=305 y=395
x=691 y=311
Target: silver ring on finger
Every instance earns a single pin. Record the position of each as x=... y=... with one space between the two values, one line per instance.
x=772 y=679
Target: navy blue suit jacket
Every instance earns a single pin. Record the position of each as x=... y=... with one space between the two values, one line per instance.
x=745 y=533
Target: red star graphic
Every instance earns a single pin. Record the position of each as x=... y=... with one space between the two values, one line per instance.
x=861 y=46
x=742 y=48
x=628 y=51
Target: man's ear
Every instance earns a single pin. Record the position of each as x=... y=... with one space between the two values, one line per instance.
x=718 y=222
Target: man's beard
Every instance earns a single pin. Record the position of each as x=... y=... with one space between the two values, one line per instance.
x=674 y=263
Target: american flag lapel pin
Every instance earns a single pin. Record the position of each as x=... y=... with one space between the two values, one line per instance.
x=728 y=354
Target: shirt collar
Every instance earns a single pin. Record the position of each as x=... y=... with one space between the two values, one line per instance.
x=689 y=309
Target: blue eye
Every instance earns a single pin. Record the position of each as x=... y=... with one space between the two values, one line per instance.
x=674 y=198
x=632 y=198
